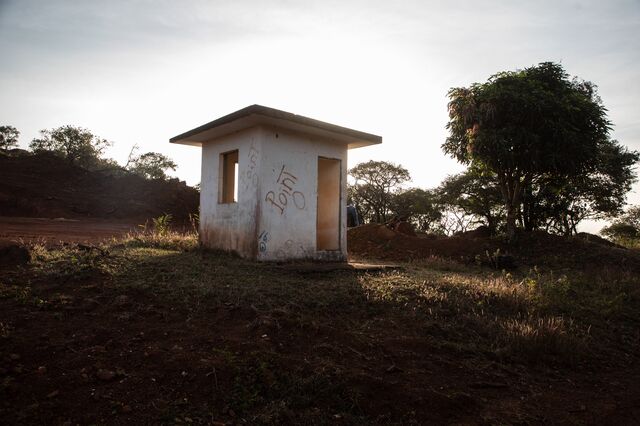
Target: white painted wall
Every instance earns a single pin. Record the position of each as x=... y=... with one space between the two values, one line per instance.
x=288 y=216
x=275 y=216
x=231 y=226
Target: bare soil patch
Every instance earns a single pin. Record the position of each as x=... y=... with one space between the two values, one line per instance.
x=536 y=249
x=56 y=231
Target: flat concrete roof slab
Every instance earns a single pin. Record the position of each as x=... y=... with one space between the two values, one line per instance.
x=256 y=115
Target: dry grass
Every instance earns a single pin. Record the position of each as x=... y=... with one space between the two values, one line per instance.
x=462 y=313
x=170 y=240
x=537 y=317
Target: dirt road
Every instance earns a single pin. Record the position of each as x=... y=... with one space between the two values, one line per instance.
x=54 y=231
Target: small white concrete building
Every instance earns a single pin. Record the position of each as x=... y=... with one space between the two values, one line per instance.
x=274 y=184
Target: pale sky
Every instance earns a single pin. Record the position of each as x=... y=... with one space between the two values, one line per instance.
x=140 y=72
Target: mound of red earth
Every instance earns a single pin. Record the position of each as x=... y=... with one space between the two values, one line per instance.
x=584 y=251
x=381 y=242
x=44 y=185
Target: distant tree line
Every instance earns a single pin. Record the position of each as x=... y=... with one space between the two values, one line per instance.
x=625 y=229
x=82 y=148
x=538 y=153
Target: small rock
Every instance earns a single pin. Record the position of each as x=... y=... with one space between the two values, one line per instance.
x=53 y=394
x=42 y=369
x=105 y=375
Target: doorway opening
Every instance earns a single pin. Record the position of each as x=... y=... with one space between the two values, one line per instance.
x=328 y=215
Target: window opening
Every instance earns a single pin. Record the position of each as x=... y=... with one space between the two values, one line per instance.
x=229 y=177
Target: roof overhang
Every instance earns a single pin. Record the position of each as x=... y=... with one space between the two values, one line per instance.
x=258 y=115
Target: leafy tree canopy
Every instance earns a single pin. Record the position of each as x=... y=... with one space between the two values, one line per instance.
x=8 y=137
x=418 y=206
x=476 y=193
x=77 y=145
x=527 y=124
x=152 y=165
x=626 y=228
x=374 y=187
x=621 y=231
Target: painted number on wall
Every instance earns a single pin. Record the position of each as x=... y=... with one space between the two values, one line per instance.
x=263 y=239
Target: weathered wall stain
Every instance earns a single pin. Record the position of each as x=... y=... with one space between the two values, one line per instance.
x=291 y=248
x=286 y=182
x=252 y=172
x=224 y=238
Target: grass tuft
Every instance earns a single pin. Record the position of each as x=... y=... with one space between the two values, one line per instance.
x=167 y=240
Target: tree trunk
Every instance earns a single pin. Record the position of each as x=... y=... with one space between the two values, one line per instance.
x=511 y=187
x=511 y=221
x=507 y=189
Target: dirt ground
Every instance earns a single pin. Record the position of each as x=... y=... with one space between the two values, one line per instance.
x=539 y=249
x=99 y=355
x=144 y=335
x=54 y=231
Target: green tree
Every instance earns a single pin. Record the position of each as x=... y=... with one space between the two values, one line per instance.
x=525 y=124
x=476 y=193
x=8 y=137
x=621 y=231
x=376 y=182
x=626 y=228
x=77 y=145
x=418 y=206
x=560 y=203
x=151 y=165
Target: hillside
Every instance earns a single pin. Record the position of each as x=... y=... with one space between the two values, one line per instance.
x=43 y=185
